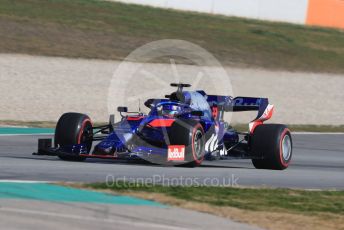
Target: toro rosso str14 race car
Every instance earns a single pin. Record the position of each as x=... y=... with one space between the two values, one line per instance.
x=184 y=128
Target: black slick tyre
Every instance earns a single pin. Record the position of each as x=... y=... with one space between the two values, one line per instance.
x=271 y=145
x=72 y=129
x=190 y=134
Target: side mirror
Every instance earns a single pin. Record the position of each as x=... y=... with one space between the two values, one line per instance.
x=122 y=109
x=149 y=103
x=197 y=113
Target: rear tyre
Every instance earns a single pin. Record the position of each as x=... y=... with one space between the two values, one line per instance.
x=190 y=134
x=73 y=129
x=272 y=145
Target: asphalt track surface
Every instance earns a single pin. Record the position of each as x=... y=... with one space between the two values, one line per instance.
x=318 y=163
x=27 y=214
x=48 y=206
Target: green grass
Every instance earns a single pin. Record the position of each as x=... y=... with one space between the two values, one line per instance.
x=294 y=201
x=108 y=30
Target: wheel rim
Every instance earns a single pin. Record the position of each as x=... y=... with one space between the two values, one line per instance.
x=87 y=136
x=198 y=143
x=286 y=147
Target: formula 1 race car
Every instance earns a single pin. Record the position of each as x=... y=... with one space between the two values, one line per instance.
x=184 y=128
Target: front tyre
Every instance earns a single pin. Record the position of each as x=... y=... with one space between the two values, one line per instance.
x=272 y=146
x=73 y=129
x=190 y=134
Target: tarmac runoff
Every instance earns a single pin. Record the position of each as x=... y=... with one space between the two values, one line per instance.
x=296 y=95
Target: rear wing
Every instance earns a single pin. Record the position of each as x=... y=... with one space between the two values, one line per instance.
x=250 y=104
x=239 y=104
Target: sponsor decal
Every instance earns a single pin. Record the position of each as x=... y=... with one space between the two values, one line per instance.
x=212 y=143
x=223 y=151
x=176 y=153
x=241 y=101
x=265 y=116
x=268 y=112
